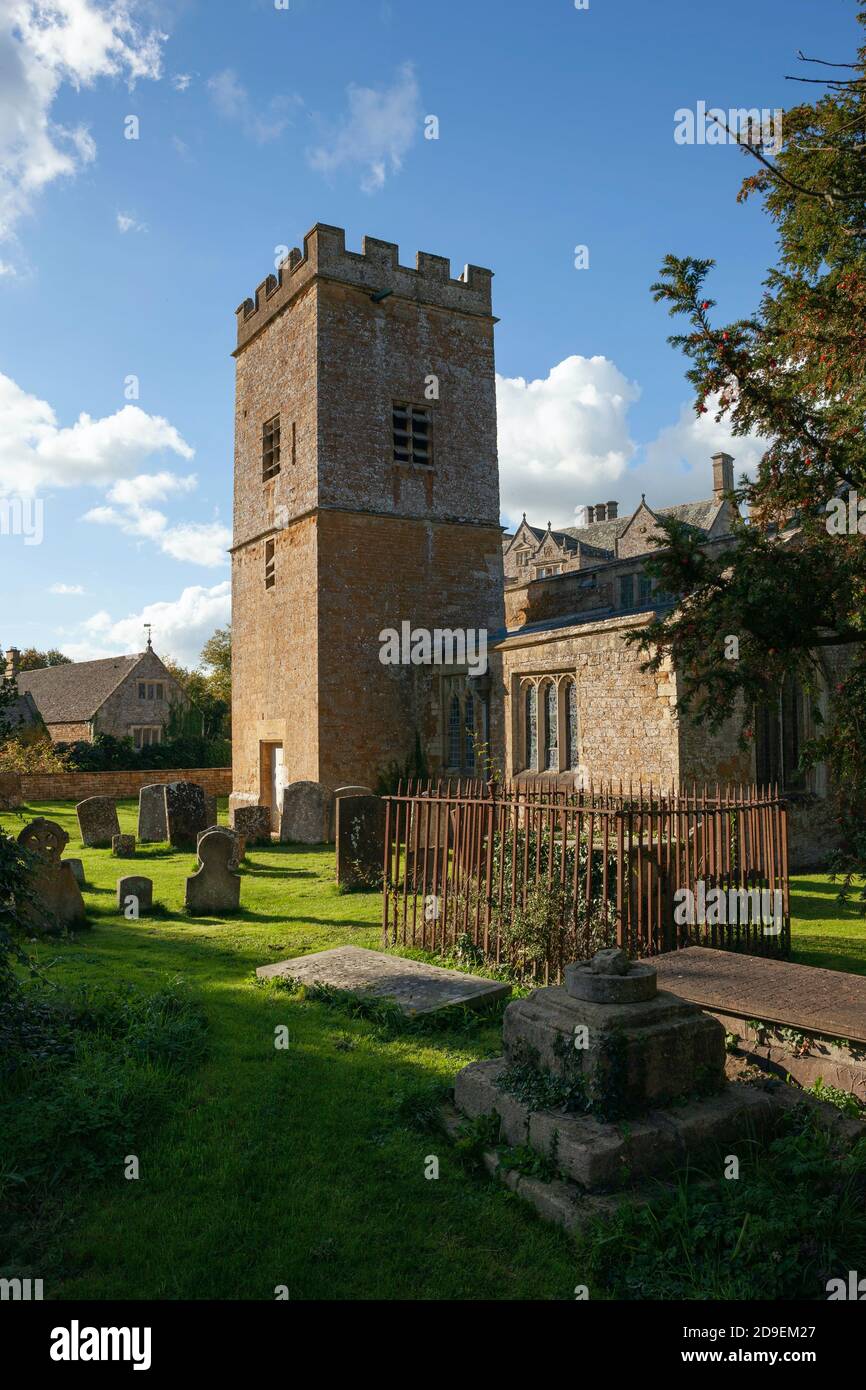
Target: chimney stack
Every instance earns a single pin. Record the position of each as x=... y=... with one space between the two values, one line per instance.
x=601 y=511
x=723 y=475
x=589 y=515
x=13 y=657
x=612 y=509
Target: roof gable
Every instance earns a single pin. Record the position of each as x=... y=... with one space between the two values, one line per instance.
x=74 y=692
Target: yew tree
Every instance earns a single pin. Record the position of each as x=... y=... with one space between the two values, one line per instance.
x=792 y=583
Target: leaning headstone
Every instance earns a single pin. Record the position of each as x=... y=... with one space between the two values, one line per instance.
x=152 y=826
x=77 y=868
x=97 y=821
x=214 y=887
x=210 y=808
x=57 y=902
x=360 y=841
x=123 y=846
x=238 y=842
x=254 y=823
x=184 y=813
x=138 y=887
x=305 y=813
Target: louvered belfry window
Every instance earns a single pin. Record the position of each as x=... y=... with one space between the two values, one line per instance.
x=270 y=448
x=412 y=435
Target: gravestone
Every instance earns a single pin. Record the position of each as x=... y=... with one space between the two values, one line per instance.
x=138 y=887
x=305 y=813
x=10 y=790
x=254 y=823
x=77 y=868
x=360 y=841
x=152 y=825
x=214 y=887
x=97 y=821
x=238 y=842
x=57 y=902
x=210 y=808
x=123 y=846
x=184 y=813
x=353 y=791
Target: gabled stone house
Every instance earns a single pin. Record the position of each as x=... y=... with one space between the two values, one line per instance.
x=126 y=696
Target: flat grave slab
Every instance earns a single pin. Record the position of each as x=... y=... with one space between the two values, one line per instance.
x=805 y=997
x=414 y=986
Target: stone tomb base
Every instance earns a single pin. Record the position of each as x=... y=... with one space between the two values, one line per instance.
x=416 y=988
x=609 y=1044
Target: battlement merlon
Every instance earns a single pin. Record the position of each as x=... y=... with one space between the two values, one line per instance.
x=374 y=269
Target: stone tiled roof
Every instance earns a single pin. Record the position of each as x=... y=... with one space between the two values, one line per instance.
x=71 y=693
x=605 y=534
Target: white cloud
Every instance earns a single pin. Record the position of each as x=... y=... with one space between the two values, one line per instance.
x=199 y=543
x=181 y=80
x=233 y=102
x=376 y=132
x=66 y=589
x=180 y=627
x=127 y=223
x=44 y=45
x=36 y=452
x=563 y=439
x=677 y=467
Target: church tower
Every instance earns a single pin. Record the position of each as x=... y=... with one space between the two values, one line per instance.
x=366 y=496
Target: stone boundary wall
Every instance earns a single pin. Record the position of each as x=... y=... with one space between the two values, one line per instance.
x=75 y=786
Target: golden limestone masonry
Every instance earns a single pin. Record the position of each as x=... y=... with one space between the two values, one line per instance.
x=366 y=495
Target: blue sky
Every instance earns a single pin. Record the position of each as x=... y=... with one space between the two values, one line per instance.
x=127 y=257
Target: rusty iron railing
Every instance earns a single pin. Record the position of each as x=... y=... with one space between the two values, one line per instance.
x=531 y=875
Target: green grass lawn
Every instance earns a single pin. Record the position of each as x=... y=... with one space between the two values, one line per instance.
x=297 y=1167
x=822 y=932
x=281 y=1167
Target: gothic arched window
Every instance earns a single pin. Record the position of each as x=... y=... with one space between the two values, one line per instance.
x=551 y=751
x=530 y=708
x=454 y=733
x=469 y=723
x=570 y=704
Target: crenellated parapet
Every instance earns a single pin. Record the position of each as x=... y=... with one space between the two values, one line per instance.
x=375 y=270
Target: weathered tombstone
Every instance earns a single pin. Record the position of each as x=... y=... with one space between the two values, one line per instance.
x=138 y=887
x=123 y=846
x=57 y=901
x=214 y=887
x=10 y=790
x=97 y=821
x=305 y=813
x=254 y=823
x=152 y=825
x=360 y=841
x=184 y=813
x=210 y=808
x=77 y=868
x=238 y=842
